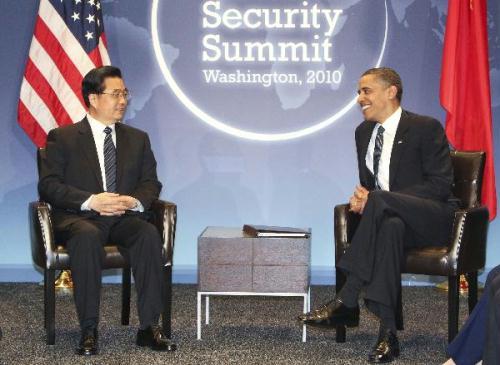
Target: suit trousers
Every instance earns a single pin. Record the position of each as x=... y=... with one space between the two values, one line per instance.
x=491 y=354
x=471 y=342
x=138 y=240
x=392 y=222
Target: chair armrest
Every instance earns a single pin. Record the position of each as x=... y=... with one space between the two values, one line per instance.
x=467 y=249
x=165 y=219
x=345 y=224
x=43 y=245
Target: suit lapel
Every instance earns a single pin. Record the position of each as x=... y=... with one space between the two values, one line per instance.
x=88 y=149
x=398 y=146
x=122 y=146
x=365 y=141
x=365 y=138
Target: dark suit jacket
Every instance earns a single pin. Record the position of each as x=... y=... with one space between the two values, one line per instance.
x=420 y=160
x=70 y=172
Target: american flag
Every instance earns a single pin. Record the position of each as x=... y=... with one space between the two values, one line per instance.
x=68 y=41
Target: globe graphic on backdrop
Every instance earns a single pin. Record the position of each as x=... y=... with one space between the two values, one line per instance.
x=316 y=92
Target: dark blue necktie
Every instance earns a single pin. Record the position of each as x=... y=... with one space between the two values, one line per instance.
x=377 y=152
x=109 y=161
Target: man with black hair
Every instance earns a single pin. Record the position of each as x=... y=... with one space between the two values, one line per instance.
x=404 y=199
x=99 y=176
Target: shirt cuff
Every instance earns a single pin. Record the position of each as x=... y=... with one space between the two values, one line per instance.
x=86 y=204
x=138 y=206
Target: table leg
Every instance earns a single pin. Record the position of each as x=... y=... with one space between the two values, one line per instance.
x=306 y=306
x=198 y=317
x=207 y=309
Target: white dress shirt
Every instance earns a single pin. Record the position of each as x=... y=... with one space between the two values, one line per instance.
x=99 y=135
x=390 y=127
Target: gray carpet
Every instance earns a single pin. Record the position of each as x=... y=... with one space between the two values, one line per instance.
x=248 y=330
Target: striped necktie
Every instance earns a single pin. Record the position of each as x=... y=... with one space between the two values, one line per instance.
x=377 y=152
x=109 y=161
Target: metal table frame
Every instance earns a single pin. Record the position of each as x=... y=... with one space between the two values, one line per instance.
x=207 y=294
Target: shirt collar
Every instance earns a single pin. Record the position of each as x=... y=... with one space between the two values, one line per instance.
x=97 y=126
x=391 y=124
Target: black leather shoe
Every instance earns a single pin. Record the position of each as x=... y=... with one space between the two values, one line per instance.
x=386 y=348
x=331 y=314
x=154 y=338
x=88 y=343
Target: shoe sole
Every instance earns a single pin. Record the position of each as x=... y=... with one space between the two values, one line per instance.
x=349 y=324
x=86 y=353
x=169 y=348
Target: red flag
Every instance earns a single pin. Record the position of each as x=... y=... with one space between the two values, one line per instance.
x=68 y=41
x=465 y=87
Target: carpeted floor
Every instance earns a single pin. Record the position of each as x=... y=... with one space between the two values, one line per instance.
x=243 y=330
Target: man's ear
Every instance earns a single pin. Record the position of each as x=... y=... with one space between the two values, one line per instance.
x=93 y=100
x=393 y=91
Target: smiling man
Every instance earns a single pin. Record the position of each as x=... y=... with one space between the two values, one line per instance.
x=404 y=199
x=99 y=176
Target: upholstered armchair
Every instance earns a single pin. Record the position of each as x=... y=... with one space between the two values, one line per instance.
x=51 y=256
x=465 y=253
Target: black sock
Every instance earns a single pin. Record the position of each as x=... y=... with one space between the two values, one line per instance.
x=349 y=293
x=88 y=325
x=387 y=318
x=144 y=326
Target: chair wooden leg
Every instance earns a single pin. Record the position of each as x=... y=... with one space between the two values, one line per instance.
x=453 y=285
x=399 y=311
x=167 y=302
x=126 y=296
x=472 y=297
x=340 y=279
x=50 y=305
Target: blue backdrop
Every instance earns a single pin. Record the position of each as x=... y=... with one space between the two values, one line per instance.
x=216 y=177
